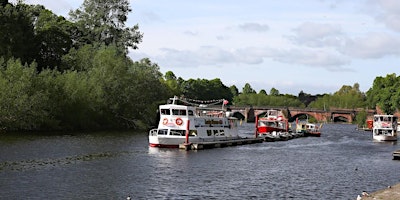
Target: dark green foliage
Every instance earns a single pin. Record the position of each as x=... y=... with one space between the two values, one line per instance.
x=385 y=93
x=347 y=97
x=247 y=89
x=262 y=99
x=24 y=102
x=202 y=89
x=103 y=22
x=17 y=36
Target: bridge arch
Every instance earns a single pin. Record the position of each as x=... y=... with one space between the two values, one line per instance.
x=341 y=119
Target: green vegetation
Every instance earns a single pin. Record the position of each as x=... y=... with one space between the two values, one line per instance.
x=347 y=97
x=59 y=74
x=385 y=93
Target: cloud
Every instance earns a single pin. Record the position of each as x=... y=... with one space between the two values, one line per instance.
x=150 y=16
x=373 y=45
x=386 y=12
x=317 y=35
x=327 y=59
x=256 y=27
x=191 y=33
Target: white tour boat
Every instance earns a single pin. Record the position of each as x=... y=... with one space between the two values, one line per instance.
x=384 y=128
x=189 y=123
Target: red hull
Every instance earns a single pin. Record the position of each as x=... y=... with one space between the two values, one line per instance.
x=269 y=129
x=315 y=134
x=163 y=145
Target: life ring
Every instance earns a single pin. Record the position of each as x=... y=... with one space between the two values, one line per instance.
x=178 y=121
x=165 y=121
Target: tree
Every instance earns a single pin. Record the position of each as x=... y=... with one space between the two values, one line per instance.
x=247 y=89
x=274 y=92
x=234 y=90
x=3 y=3
x=23 y=101
x=54 y=35
x=385 y=93
x=263 y=92
x=17 y=35
x=103 y=22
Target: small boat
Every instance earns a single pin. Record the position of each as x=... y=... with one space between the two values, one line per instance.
x=308 y=129
x=396 y=155
x=384 y=128
x=272 y=121
x=183 y=122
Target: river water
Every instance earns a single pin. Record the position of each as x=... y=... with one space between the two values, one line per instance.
x=339 y=165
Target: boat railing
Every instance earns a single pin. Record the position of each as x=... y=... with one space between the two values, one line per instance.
x=153 y=132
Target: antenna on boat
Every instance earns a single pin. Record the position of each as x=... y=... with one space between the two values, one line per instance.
x=174 y=100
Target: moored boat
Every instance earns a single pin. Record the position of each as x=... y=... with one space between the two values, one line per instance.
x=184 y=122
x=308 y=129
x=272 y=121
x=384 y=128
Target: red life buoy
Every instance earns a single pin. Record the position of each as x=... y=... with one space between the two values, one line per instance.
x=178 y=121
x=165 y=121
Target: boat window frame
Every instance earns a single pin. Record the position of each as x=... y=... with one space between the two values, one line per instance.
x=179 y=112
x=162 y=131
x=165 y=111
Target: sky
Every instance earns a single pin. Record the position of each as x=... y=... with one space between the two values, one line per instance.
x=314 y=46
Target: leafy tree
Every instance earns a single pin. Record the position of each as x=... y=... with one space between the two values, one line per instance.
x=3 y=3
x=172 y=84
x=23 y=102
x=385 y=93
x=274 y=92
x=234 y=90
x=346 y=97
x=247 y=89
x=54 y=34
x=17 y=36
x=102 y=21
x=263 y=92
x=203 y=89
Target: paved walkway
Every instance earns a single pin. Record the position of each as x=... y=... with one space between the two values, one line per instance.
x=390 y=193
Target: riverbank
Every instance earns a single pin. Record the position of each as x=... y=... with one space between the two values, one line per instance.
x=390 y=193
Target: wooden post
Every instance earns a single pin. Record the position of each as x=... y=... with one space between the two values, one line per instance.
x=256 y=131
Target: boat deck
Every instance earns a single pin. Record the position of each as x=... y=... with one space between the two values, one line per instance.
x=218 y=144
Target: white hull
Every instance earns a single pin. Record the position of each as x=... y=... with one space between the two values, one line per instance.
x=385 y=138
x=174 y=141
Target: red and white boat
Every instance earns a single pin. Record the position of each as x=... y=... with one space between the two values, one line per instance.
x=272 y=121
x=182 y=122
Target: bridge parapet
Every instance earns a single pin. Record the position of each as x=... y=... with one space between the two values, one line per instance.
x=333 y=114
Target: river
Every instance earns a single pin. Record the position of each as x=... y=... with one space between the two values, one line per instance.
x=339 y=165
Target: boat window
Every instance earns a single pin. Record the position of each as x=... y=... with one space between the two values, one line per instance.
x=209 y=133
x=216 y=132
x=193 y=133
x=165 y=112
x=179 y=112
x=190 y=112
x=178 y=132
x=221 y=132
x=162 y=131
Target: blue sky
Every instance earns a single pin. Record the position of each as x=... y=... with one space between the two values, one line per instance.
x=312 y=45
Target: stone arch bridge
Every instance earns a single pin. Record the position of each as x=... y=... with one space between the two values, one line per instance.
x=332 y=115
